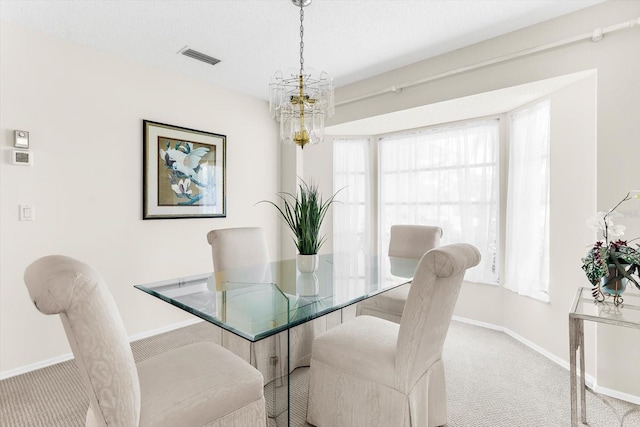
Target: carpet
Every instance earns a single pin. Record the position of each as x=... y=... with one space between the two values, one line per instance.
x=492 y=381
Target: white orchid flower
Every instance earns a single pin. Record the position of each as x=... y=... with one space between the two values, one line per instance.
x=596 y=222
x=616 y=230
x=182 y=187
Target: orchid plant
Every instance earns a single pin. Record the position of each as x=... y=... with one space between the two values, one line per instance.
x=611 y=250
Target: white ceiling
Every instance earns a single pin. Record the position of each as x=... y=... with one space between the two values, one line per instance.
x=350 y=39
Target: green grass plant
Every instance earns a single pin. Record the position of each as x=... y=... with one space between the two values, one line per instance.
x=303 y=213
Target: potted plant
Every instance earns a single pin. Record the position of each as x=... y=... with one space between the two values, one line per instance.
x=611 y=264
x=303 y=213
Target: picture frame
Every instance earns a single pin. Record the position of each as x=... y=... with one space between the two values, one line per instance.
x=184 y=172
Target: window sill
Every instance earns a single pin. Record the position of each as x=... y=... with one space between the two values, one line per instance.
x=538 y=296
x=482 y=283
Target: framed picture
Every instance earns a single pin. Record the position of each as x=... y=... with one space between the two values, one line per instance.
x=184 y=172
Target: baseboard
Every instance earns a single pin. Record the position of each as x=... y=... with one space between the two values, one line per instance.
x=59 y=359
x=589 y=379
x=35 y=366
x=616 y=394
x=164 y=329
x=517 y=337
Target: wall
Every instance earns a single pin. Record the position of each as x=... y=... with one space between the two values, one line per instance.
x=587 y=180
x=84 y=111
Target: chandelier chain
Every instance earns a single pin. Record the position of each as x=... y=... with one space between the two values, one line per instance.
x=301 y=39
x=301 y=102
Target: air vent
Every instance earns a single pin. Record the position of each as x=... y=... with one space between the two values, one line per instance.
x=199 y=56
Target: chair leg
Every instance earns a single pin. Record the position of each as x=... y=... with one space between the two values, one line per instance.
x=437 y=396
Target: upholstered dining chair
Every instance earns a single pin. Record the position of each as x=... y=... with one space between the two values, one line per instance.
x=241 y=255
x=200 y=384
x=370 y=372
x=405 y=242
x=240 y=247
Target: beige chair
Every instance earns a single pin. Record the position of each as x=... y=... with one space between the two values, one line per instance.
x=200 y=384
x=242 y=248
x=241 y=255
x=406 y=242
x=369 y=372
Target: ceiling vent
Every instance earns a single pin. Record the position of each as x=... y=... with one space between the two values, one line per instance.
x=198 y=55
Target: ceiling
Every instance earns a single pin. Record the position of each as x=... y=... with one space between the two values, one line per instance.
x=350 y=39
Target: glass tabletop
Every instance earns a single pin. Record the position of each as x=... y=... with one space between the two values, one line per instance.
x=256 y=302
x=627 y=314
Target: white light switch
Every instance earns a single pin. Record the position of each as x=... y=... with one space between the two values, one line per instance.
x=27 y=213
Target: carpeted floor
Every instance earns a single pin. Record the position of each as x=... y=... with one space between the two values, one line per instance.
x=492 y=381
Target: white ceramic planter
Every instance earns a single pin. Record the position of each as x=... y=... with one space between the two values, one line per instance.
x=307 y=263
x=307 y=285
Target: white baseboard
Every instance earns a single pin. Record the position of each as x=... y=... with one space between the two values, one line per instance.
x=34 y=366
x=589 y=379
x=59 y=359
x=524 y=341
x=616 y=394
x=164 y=329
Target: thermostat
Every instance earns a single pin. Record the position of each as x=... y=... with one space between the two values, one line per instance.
x=21 y=139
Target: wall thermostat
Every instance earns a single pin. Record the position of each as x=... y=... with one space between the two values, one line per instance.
x=22 y=157
x=21 y=139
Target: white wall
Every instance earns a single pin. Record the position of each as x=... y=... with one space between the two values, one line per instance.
x=585 y=180
x=84 y=111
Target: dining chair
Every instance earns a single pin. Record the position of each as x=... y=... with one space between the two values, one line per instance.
x=372 y=372
x=241 y=255
x=406 y=242
x=243 y=248
x=199 y=384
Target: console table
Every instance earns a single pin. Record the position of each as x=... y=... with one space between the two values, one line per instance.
x=584 y=308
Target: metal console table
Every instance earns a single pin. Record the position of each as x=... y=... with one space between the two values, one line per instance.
x=584 y=308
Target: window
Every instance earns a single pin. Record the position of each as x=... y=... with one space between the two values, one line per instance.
x=446 y=176
x=449 y=176
x=527 y=235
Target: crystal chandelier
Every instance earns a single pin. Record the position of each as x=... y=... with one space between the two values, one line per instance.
x=301 y=99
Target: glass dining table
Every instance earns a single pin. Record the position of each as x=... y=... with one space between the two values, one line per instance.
x=269 y=314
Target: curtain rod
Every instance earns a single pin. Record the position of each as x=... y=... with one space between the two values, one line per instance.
x=595 y=36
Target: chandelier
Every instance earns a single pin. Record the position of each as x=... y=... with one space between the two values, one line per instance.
x=301 y=99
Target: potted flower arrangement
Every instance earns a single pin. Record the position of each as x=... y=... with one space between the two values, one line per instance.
x=610 y=264
x=303 y=213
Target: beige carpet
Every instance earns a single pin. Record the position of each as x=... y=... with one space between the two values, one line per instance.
x=493 y=381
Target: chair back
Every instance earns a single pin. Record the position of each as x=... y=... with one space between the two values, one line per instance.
x=242 y=248
x=407 y=245
x=429 y=308
x=78 y=293
x=413 y=241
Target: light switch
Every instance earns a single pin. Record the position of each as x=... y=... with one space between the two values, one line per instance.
x=27 y=213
